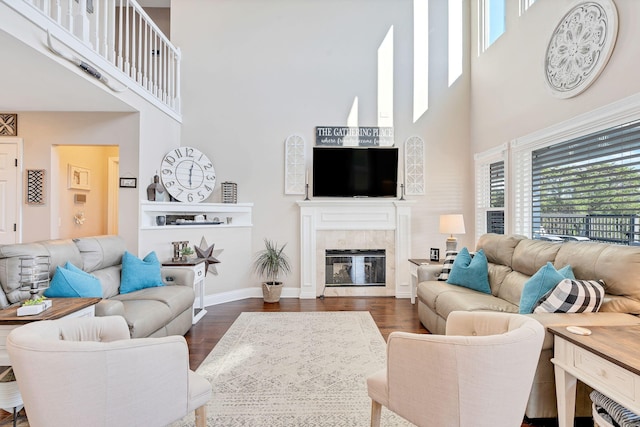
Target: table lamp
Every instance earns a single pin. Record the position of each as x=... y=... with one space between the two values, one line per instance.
x=452 y=224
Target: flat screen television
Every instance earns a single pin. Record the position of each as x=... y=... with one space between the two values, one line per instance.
x=355 y=172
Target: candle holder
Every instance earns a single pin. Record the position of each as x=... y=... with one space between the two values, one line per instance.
x=306 y=191
x=34 y=274
x=401 y=191
x=178 y=247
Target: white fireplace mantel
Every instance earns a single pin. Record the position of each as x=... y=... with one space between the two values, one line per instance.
x=354 y=214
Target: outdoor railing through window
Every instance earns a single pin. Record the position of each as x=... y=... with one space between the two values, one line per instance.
x=589 y=186
x=620 y=229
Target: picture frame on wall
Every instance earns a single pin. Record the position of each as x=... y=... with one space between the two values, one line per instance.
x=434 y=254
x=128 y=182
x=78 y=178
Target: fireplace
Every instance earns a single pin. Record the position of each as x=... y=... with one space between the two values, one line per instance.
x=355 y=267
x=344 y=224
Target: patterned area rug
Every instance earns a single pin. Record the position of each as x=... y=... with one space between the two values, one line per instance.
x=294 y=369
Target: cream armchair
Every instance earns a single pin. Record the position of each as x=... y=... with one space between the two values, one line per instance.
x=478 y=374
x=88 y=372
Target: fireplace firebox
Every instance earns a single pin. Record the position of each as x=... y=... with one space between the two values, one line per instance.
x=355 y=267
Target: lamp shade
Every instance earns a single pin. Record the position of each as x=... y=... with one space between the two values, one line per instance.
x=452 y=224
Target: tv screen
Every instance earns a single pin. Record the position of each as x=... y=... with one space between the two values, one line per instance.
x=355 y=172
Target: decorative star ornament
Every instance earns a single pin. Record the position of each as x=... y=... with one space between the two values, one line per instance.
x=209 y=254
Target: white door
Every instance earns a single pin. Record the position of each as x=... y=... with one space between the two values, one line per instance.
x=9 y=194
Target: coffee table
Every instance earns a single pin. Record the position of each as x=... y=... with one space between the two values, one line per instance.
x=61 y=307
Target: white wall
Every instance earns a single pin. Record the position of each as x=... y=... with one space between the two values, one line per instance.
x=258 y=71
x=509 y=96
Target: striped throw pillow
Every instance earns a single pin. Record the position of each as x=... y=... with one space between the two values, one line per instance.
x=449 y=258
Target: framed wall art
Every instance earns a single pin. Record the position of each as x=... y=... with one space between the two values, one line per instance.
x=35 y=186
x=128 y=182
x=78 y=178
x=8 y=124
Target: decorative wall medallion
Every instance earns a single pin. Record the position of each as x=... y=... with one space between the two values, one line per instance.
x=8 y=124
x=580 y=47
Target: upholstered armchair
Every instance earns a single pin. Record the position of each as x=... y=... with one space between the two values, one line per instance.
x=477 y=375
x=89 y=372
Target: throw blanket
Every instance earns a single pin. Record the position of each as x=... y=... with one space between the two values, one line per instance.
x=618 y=413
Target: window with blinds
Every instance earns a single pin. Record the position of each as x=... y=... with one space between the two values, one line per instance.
x=495 y=218
x=589 y=187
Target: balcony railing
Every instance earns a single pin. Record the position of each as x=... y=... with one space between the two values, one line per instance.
x=122 y=33
x=620 y=229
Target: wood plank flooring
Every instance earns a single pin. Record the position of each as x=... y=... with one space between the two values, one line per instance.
x=390 y=314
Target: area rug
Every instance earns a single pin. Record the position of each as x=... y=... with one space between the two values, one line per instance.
x=294 y=369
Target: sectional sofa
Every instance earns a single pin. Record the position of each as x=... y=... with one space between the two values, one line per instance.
x=150 y=312
x=512 y=260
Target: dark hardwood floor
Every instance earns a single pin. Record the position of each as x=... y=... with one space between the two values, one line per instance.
x=390 y=314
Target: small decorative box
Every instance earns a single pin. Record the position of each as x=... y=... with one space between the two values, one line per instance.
x=29 y=310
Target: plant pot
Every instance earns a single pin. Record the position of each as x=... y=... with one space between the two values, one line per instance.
x=271 y=292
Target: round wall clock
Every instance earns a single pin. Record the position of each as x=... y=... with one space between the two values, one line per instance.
x=188 y=174
x=580 y=47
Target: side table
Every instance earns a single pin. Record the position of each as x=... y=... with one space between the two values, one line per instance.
x=9 y=320
x=414 y=263
x=197 y=265
x=62 y=307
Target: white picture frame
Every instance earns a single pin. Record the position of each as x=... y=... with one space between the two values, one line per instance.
x=78 y=178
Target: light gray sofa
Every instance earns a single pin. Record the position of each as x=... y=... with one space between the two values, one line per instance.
x=151 y=312
x=512 y=261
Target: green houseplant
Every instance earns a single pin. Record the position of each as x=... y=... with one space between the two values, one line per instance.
x=270 y=263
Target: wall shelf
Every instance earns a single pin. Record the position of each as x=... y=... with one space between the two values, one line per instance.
x=239 y=212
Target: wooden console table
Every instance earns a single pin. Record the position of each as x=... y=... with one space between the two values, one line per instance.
x=607 y=360
x=62 y=307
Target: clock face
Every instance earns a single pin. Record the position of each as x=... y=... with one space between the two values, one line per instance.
x=188 y=174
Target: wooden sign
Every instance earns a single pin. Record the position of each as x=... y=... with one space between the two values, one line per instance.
x=338 y=136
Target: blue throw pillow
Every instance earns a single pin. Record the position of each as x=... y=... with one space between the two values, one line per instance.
x=139 y=273
x=545 y=279
x=71 y=282
x=472 y=273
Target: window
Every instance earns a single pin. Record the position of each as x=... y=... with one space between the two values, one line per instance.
x=589 y=187
x=525 y=5
x=490 y=191
x=492 y=25
x=495 y=217
x=455 y=40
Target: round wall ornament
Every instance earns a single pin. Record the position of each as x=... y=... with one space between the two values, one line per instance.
x=188 y=174
x=580 y=47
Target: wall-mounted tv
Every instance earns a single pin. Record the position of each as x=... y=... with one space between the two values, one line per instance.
x=355 y=172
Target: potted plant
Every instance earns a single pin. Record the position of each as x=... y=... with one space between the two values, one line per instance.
x=270 y=263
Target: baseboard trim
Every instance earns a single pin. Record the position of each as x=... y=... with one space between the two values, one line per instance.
x=240 y=294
